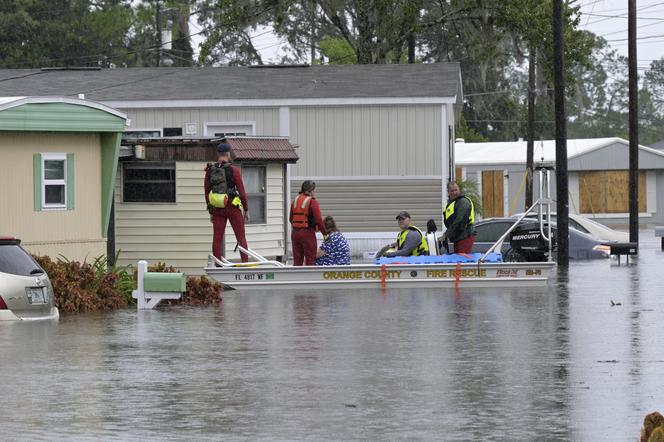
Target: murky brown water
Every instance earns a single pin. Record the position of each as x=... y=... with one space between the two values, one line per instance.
x=558 y=363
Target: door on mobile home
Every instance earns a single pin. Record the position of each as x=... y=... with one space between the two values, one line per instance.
x=492 y=193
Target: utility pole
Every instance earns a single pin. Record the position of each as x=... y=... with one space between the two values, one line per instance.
x=158 y=20
x=530 y=148
x=562 y=207
x=312 y=41
x=633 y=125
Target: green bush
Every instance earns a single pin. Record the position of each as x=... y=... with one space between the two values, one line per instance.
x=470 y=188
x=653 y=428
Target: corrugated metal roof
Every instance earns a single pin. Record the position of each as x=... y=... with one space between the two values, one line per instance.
x=262 y=149
x=438 y=80
x=514 y=152
x=268 y=149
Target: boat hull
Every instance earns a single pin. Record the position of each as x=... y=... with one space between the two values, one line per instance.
x=451 y=275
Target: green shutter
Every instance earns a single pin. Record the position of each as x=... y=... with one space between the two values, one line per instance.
x=70 y=181
x=37 y=182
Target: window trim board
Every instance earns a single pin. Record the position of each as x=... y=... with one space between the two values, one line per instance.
x=67 y=182
x=207 y=125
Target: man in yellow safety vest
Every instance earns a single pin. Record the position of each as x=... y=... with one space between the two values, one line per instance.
x=459 y=220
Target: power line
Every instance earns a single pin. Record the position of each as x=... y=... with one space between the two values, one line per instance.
x=643 y=8
x=623 y=16
x=111 y=57
x=648 y=37
x=623 y=31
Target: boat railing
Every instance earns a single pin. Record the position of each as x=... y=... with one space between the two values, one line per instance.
x=508 y=231
x=258 y=257
x=213 y=261
x=543 y=204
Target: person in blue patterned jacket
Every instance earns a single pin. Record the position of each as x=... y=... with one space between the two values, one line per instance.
x=335 y=249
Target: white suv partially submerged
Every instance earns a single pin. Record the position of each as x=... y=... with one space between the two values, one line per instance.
x=26 y=293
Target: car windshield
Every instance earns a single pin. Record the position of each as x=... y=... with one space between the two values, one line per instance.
x=15 y=260
x=491 y=231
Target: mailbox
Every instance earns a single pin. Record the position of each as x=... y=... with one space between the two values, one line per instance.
x=164 y=282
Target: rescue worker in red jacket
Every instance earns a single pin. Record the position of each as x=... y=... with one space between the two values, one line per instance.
x=226 y=200
x=304 y=218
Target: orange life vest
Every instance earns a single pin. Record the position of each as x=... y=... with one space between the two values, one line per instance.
x=300 y=211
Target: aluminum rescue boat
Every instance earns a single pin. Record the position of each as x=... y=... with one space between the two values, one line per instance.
x=437 y=271
x=455 y=271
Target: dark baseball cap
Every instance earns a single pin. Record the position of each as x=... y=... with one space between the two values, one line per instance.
x=224 y=148
x=403 y=214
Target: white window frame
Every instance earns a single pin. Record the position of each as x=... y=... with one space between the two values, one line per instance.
x=44 y=182
x=264 y=167
x=207 y=131
x=154 y=129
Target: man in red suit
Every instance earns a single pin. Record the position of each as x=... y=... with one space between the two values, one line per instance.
x=226 y=200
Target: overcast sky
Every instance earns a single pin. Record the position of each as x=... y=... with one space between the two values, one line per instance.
x=608 y=19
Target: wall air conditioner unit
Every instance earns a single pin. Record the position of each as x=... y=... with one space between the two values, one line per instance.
x=139 y=152
x=190 y=129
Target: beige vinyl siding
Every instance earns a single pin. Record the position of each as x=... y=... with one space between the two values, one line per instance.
x=367 y=140
x=266 y=119
x=180 y=234
x=74 y=234
x=74 y=250
x=372 y=205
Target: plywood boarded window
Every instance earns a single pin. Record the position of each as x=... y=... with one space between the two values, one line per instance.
x=492 y=193
x=608 y=191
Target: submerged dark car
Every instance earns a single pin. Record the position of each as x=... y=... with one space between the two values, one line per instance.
x=25 y=290
x=581 y=245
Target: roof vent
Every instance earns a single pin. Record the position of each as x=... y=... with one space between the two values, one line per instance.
x=280 y=66
x=71 y=68
x=459 y=140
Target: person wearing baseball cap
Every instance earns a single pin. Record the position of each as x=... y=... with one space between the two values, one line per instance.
x=410 y=241
x=226 y=200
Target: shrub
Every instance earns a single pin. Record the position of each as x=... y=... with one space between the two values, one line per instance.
x=93 y=287
x=81 y=287
x=653 y=428
x=125 y=277
x=470 y=188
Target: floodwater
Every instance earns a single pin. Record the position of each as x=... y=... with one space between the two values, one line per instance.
x=556 y=363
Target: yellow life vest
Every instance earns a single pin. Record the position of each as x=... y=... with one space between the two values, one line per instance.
x=421 y=249
x=449 y=211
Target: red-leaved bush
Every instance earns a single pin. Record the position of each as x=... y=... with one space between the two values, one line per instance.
x=92 y=287
x=78 y=288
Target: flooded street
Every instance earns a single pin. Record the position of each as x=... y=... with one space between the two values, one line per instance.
x=554 y=363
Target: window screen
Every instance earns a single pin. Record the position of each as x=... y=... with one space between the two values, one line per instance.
x=148 y=182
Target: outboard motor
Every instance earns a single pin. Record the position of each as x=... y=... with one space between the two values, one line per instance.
x=528 y=244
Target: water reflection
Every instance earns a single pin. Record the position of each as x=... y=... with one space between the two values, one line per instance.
x=498 y=364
